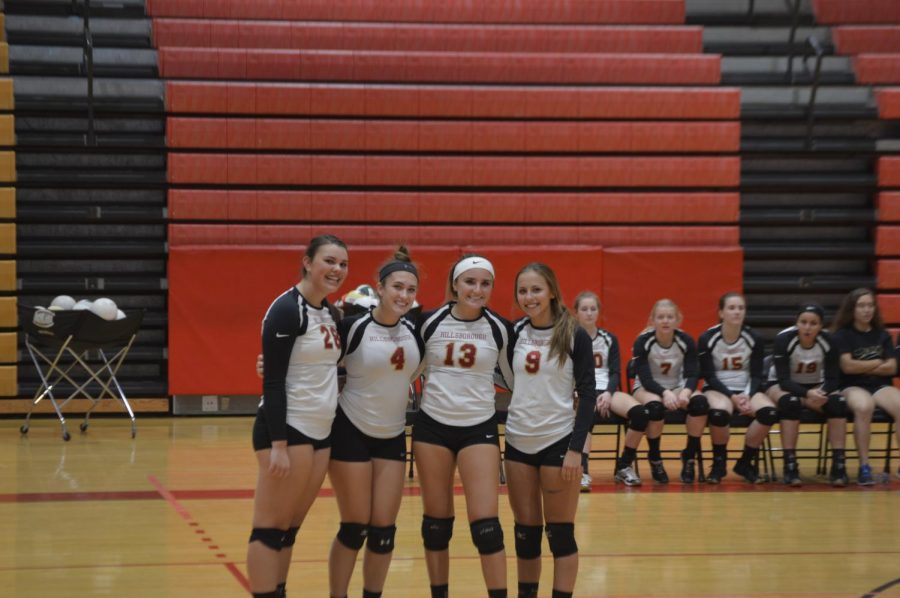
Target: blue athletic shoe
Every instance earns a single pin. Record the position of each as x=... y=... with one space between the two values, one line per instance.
x=864 y=478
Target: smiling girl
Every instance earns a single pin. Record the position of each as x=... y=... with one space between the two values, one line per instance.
x=291 y=434
x=456 y=427
x=552 y=357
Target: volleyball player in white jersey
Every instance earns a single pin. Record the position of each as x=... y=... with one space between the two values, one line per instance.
x=456 y=426
x=665 y=360
x=291 y=435
x=868 y=364
x=607 y=373
x=805 y=373
x=551 y=359
x=731 y=362
x=381 y=353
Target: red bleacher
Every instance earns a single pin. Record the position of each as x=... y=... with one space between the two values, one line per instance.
x=528 y=130
x=398 y=37
x=457 y=206
x=442 y=67
x=435 y=234
x=866 y=39
x=836 y=12
x=453 y=136
x=888 y=273
x=877 y=68
x=464 y=101
x=417 y=11
x=451 y=171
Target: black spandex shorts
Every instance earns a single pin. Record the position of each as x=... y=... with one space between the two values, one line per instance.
x=294 y=436
x=455 y=438
x=552 y=456
x=871 y=388
x=348 y=443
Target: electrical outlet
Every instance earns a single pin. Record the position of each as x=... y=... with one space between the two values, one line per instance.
x=210 y=403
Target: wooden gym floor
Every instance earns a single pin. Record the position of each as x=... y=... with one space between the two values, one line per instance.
x=168 y=515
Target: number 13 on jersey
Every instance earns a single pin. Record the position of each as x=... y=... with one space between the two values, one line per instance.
x=464 y=357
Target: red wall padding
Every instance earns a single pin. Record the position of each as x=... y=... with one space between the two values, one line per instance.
x=383 y=206
x=889 y=274
x=429 y=37
x=453 y=136
x=889 y=171
x=835 y=12
x=429 y=11
x=629 y=236
x=859 y=40
x=338 y=65
x=218 y=296
x=889 y=206
x=887 y=241
x=877 y=68
x=464 y=101
x=888 y=103
x=635 y=278
x=452 y=171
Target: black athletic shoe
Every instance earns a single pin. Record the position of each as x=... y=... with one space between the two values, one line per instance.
x=792 y=474
x=687 y=469
x=838 y=476
x=659 y=472
x=717 y=472
x=747 y=471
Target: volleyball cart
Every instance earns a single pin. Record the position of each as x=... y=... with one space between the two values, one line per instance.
x=80 y=353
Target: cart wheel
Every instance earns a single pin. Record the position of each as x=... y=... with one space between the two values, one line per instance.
x=83 y=426
x=66 y=436
x=23 y=429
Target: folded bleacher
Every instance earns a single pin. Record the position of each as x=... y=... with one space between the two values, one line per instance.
x=503 y=125
x=869 y=31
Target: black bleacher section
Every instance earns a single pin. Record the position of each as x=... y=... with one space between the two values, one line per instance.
x=807 y=202
x=91 y=199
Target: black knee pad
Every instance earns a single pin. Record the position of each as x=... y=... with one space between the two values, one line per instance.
x=562 y=539
x=790 y=407
x=698 y=406
x=836 y=407
x=271 y=537
x=528 y=541
x=637 y=418
x=381 y=539
x=487 y=535
x=352 y=535
x=290 y=537
x=719 y=418
x=767 y=416
x=656 y=411
x=436 y=533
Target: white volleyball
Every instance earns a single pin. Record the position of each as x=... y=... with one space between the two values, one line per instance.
x=105 y=308
x=62 y=302
x=82 y=305
x=120 y=315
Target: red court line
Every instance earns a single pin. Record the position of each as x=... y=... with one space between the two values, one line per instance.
x=185 y=514
x=246 y=493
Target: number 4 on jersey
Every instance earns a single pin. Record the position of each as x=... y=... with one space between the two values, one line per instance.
x=398 y=359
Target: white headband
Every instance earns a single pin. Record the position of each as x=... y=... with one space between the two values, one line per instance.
x=472 y=262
